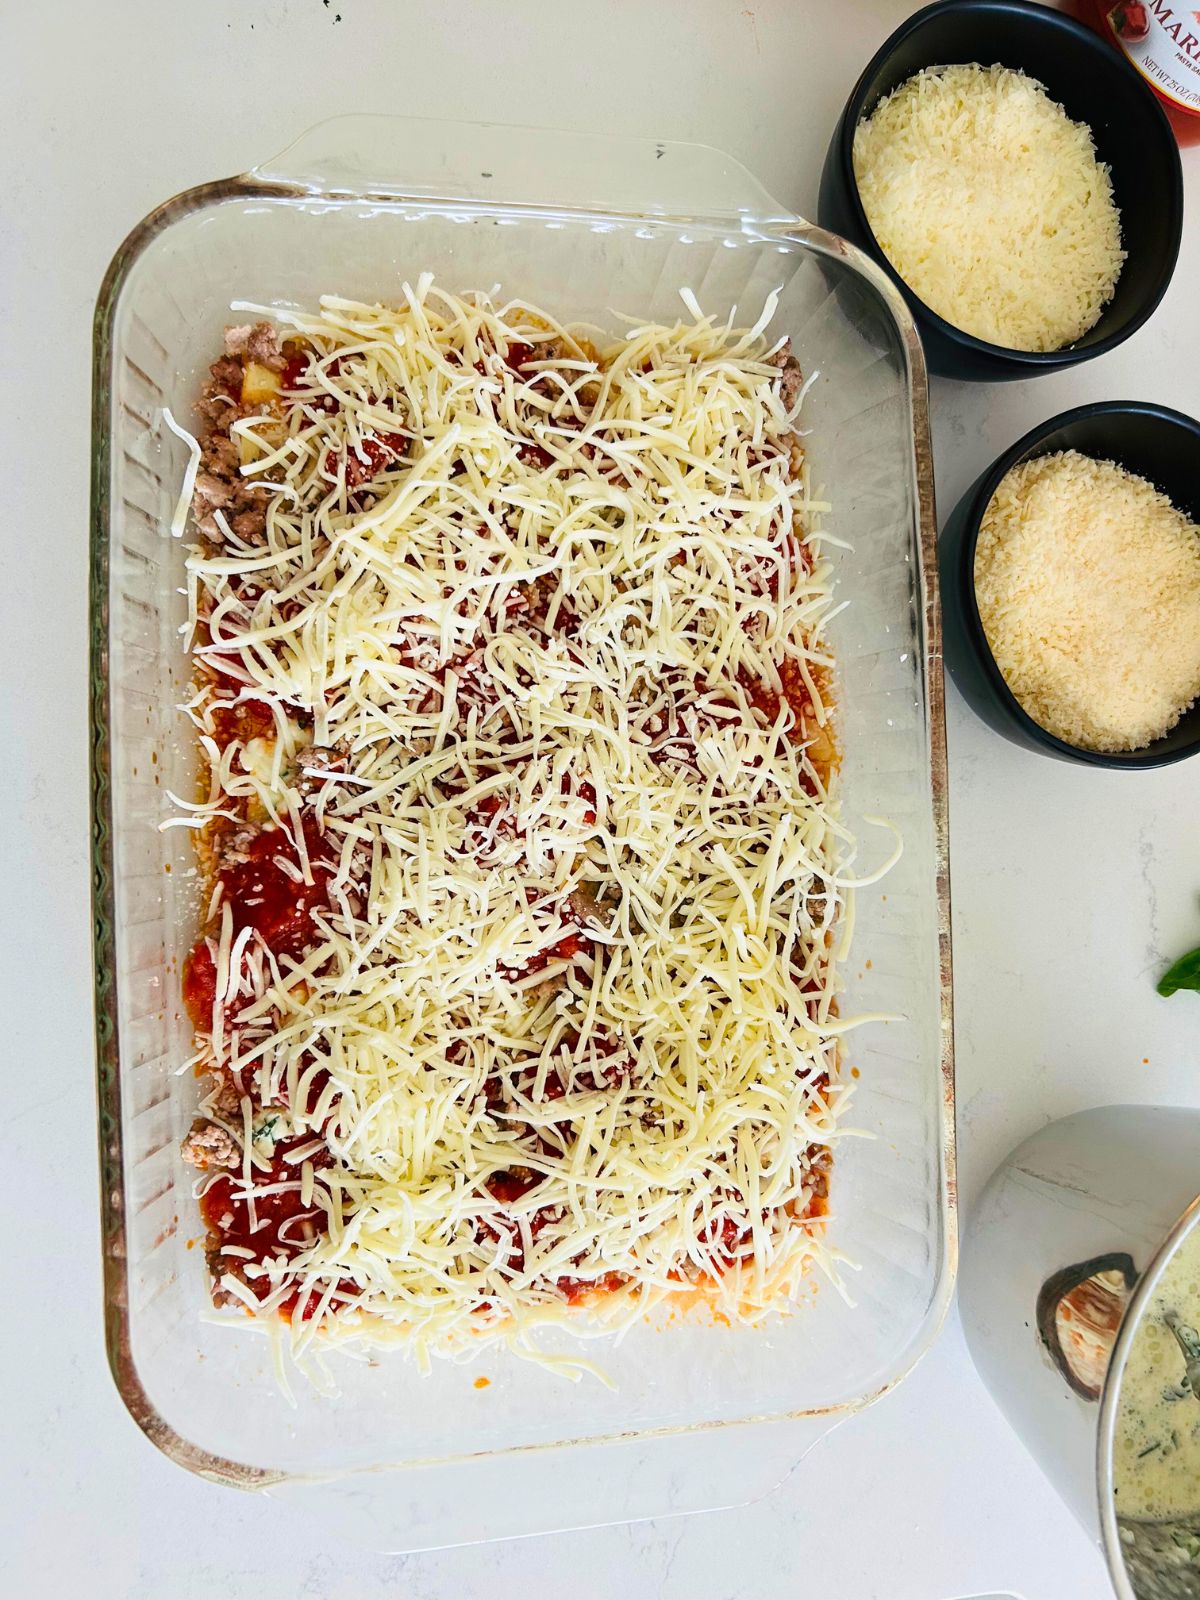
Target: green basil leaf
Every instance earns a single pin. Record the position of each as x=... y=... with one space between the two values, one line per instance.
x=1185 y=974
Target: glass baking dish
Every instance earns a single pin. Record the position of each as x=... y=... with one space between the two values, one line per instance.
x=602 y=225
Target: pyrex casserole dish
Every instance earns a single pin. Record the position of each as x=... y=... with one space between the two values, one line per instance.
x=611 y=225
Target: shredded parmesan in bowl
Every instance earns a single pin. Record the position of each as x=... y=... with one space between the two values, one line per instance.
x=992 y=205
x=517 y=977
x=1087 y=580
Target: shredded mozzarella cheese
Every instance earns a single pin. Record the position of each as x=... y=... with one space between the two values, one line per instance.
x=568 y=1020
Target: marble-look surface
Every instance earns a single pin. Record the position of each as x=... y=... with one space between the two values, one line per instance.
x=1071 y=887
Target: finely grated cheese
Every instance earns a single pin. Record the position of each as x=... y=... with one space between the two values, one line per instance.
x=1088 y=585
x=991 y=204
x=473 y=776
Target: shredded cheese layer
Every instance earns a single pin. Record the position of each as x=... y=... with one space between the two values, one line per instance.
x=1088 y=585
x=546 y=670
x=992 y=205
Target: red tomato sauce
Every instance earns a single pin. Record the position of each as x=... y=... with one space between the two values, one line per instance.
x=228 y=1216
x=585 y=791
x=298 y=373
x=566 y=949
x=283 y=1224
x=249 y=719
x=508 y=1187
x=796 y=696
x=576 y=1289
x=381 y=451
x=727 y=1241
x=534 y=455
x=262 y=895
x=518 y=355
x=768 y=701
x=200 y=985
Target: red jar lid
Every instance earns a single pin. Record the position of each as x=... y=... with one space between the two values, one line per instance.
x=1161 y=40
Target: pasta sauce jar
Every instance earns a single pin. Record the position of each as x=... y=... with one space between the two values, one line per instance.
x=1161 y=40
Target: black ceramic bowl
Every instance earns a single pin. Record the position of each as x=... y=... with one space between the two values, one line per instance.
x=1158 y=444
x=1096 y=86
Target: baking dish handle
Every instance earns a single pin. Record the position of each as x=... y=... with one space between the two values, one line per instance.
x=554 y=1490
x=365 y=156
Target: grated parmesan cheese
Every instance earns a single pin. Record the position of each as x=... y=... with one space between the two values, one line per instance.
x=992 y=205
x=473 y=774
x=1088 y=584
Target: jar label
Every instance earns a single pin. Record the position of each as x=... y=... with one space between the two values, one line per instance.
x=1162 y=40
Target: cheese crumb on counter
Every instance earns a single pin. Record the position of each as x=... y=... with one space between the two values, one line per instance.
x=992 y=205
x=1088 y=585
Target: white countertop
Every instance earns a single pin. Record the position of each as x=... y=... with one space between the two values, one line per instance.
x=1071 y=887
